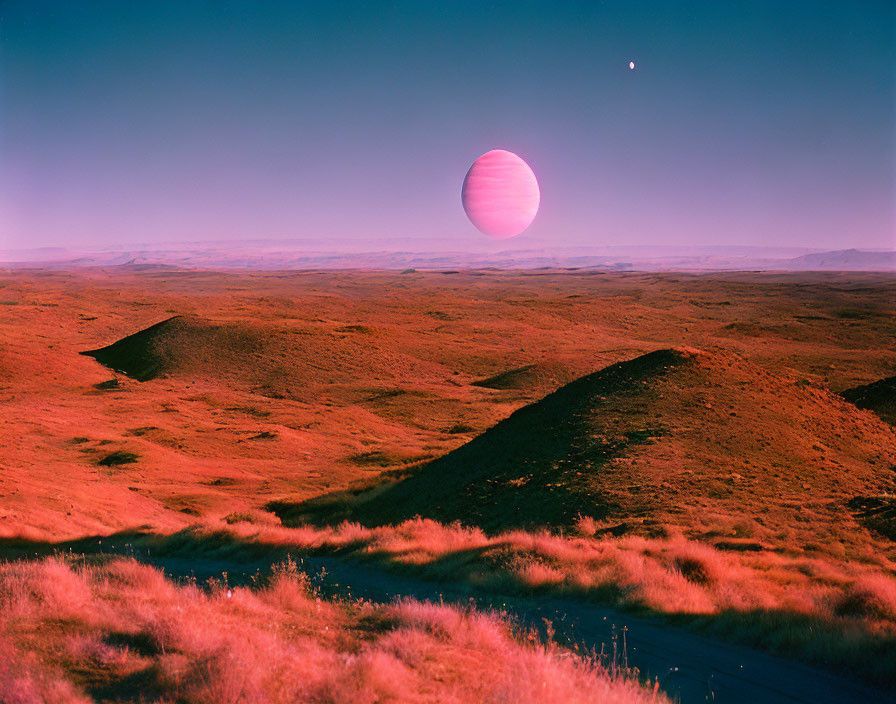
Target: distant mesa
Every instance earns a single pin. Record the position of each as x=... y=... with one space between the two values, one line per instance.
x=879 y=396
x=408 y=257
x=845 y=260
x=673 y=437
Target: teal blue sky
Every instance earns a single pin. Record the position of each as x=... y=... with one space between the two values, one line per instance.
x=763 y=123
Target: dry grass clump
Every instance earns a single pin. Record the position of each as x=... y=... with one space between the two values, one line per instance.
x=252 y=516
x=670 y=575
x=71 y=634
x=117 y=458
x=872 y=596
x=23 y=680
x=823 y=610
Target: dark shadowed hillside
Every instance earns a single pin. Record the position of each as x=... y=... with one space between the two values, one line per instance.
x=279 y=362
x=536 y=467
x=878 y=396
x=527 y=377
x=179 y=344
x=705 y=441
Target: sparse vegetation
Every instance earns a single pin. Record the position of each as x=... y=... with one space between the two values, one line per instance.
x=382 y=458
x=441 y=315
x=252 y=516
x=239 y=517
x=854 y=313
x=459 y=429
x=250 y=411
x=386 y=394
x=512 y=378
x=373 y=457
x=117 y=458
x=265 y=435
x=143 y=430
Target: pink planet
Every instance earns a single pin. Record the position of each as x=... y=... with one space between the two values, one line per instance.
x=500 y=194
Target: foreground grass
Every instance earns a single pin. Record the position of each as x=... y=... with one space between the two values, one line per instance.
x=123 y=632
x=818 y=609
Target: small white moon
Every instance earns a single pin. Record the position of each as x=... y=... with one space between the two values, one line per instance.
x=631 y=65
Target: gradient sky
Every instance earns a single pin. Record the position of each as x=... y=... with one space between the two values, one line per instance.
x=753 y=122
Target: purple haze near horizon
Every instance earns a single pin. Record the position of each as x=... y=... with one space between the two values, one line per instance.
x=758 y=123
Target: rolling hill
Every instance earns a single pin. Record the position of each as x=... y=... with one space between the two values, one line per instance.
x=279 y=362
x=705 y=442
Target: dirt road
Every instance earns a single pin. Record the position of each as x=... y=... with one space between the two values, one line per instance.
x=690 y=667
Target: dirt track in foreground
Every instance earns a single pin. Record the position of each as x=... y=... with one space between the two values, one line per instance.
x=689 y=666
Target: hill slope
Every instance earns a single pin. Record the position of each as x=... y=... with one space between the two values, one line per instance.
x=178 y=344
x=275 y=361
x=708 y=442
x=878 y=396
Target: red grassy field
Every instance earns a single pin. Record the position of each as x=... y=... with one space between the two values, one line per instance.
x=77 y=634
x=731 y=484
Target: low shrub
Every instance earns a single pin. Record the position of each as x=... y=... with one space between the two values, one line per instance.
x=119 y=457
